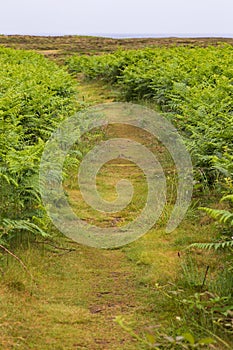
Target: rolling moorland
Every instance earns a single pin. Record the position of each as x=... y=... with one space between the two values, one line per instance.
x=163 y=291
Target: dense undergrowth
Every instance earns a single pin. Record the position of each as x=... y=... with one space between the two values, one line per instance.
x=35 y=96
x=192 y=86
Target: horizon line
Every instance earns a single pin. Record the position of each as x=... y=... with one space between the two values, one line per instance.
x=131 y=35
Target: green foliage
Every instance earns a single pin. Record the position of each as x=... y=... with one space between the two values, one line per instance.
x=193 y=86
x=35 y=96
x=224 y=166
x=214 y=245
x=223 y=217
x=161 y=340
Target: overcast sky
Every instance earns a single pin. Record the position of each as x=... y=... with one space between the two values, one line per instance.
x=116 y=16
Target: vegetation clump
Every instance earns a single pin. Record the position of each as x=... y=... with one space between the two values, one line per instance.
x=35 y=96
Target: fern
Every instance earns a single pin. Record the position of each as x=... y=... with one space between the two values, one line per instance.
x=193 y=86
x=229 y=197
x=214 y=245
x=9 y=226
x=222 y=216
x=36 y=95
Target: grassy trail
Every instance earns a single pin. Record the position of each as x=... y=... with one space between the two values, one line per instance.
x=77 y=294
x=73 y=303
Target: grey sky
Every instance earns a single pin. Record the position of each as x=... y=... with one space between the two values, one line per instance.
x=116 y=16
